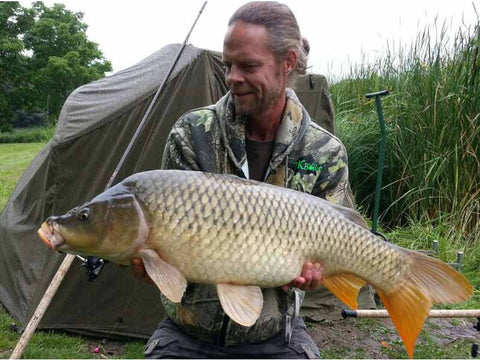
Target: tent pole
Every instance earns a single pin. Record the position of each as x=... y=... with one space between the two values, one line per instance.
x=42 y=307
x=67 y=261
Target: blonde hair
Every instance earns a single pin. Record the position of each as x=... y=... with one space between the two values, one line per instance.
x=282 y=28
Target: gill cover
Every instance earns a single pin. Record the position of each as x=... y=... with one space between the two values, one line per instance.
x=111 y=226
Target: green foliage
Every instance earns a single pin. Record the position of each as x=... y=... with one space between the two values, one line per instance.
x=432 y=171
x=45 y=55
x=14 y=159
x=14 y=21
x=28 y=135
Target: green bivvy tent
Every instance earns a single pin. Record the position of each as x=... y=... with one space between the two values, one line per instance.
x=94 y=128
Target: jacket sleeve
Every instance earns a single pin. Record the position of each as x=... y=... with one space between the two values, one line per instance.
x=337 y=188
x=178 y=153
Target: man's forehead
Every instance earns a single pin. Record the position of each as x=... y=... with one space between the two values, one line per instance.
x=246 y=39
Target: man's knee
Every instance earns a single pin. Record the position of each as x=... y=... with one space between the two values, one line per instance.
x=302 y=343
x=164 y=343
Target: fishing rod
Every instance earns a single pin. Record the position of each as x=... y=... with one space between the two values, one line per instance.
x=467 y=313
x=94 y=264
x=68 y=259
x=460 y=313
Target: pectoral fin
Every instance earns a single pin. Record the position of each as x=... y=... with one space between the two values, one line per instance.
x=346 y=287
x=169 y=280
x=243 y=304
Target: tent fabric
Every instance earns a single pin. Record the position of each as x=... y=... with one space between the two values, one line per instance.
x=95 y=126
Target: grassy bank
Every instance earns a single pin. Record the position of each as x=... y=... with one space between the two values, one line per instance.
x=27 y=135
x=14 y=158
x=58 y=345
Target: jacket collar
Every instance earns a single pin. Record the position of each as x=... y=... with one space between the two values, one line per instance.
x=295 y=121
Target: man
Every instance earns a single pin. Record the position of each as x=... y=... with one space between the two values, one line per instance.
x=259 y=130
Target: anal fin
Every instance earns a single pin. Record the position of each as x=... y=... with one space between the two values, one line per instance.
x=345 y=286
x=242 y=303
x=168 y=279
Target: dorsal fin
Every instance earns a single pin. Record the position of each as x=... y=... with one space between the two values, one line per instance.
x=352 y=215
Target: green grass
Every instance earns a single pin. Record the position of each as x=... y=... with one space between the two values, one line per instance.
x=58 y=345
x=28 y=135
x=14 y=159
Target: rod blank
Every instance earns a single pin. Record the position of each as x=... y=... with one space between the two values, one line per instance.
x=475 y=313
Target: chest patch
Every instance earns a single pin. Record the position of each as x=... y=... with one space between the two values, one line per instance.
x=305 y=166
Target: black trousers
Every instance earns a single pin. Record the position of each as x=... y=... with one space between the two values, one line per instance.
x=170 y=342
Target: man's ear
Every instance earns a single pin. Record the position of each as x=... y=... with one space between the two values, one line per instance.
x=290 y=61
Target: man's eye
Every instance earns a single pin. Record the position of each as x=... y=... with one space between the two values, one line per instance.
x=251 y=67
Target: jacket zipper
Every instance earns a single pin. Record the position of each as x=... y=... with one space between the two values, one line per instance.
x=223 y=331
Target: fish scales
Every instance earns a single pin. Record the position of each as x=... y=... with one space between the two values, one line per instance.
x=241 y=235
x=216 y=228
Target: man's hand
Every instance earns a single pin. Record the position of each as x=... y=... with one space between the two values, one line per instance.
x=310 y=278
x=139 y=272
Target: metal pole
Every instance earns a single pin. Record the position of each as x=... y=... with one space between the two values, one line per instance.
x=67 y=261
x=381 y=156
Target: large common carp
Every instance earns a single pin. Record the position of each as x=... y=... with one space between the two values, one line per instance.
x=242 y=235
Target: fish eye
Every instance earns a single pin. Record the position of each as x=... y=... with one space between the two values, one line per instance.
x=84 y=214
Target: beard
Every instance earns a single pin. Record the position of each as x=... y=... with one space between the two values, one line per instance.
x=258 y=103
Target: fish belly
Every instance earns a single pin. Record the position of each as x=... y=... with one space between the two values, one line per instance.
x=217 y=228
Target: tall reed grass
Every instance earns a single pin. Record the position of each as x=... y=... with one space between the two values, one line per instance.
x=432 y=171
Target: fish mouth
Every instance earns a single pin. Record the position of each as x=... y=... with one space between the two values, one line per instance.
x=49 y=234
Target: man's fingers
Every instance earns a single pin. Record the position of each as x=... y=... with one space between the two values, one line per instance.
x=139 y=272
x=317 y=276
x=310 y=278
x=137 y=268
x=307 y=274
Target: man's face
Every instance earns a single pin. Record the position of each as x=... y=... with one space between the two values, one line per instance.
x=256 y=78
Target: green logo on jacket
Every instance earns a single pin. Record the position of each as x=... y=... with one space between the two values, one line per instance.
x=304 y=165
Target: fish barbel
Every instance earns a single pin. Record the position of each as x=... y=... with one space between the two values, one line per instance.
x=242 y=235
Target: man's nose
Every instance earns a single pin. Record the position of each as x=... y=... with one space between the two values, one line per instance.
x=234 y=76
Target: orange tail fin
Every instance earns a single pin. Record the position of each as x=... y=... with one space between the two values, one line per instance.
x=430 y=282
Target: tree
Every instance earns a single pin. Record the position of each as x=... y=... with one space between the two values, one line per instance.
x=14 y=21
x=44 y=55
x=63 y=57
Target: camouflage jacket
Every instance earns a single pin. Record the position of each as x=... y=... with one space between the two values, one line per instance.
x=305 y=158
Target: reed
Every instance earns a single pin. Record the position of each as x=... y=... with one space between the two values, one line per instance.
x=432 y=171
